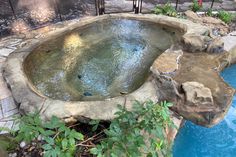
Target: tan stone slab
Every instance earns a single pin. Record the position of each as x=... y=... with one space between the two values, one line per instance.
x=10 y=122
x=167 y=62
x=4 y=91
x=11 y=114
x=7 y=125
x=5 y=52
x=10 y=43
x=8 y=105
x=229 y=42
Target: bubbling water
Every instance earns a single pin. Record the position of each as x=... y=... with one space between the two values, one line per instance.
x=100 y=60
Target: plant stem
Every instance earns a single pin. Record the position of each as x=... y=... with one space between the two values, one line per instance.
x=89 y=139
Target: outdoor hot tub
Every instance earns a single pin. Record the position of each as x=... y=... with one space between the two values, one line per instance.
x=86 y=68
x=104 y=59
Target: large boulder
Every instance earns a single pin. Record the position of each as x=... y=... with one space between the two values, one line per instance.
x=168 y=62
x=218 y=26
x=197 y=95
x=192 y=16
x=163 y=68
x=195 y=43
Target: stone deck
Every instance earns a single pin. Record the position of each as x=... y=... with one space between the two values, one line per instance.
x=8 y=109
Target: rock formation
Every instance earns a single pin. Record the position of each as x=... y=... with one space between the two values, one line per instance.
x=198 y=92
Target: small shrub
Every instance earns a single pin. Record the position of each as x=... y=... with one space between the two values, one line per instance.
x=167 y=9
x=209 y=12
x=137 y=133
x=57 y=139
x=225 y=16
x=130 y=134
x=195 y=7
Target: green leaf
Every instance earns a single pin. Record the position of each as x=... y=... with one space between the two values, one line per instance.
x=47 y=147
x=62 y=128
x=72 y=141
x=54 y=123
x=47 y=154
x=54 y=153
x=49 y=140
x=169 y=104
x=41 y=130
x=77 y=135
x=64 y=144
x=94 y=151
x=49 y=133
x=67 y=132
x=95 y=124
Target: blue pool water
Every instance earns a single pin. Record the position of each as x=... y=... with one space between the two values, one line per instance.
x=219 y=141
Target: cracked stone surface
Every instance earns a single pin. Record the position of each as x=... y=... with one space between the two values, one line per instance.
x=8 y=109
x=8 y=113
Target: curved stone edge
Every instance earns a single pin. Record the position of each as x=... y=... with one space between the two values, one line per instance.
x=195 y=37
x=30 y=100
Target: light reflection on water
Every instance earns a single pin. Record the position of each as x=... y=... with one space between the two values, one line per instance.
x=101 y=60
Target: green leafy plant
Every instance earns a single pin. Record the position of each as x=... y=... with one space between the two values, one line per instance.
x=209 y=12
x=166 y=9
x=58 y=140
x=137 y=133
x=195 y=6
x=225 y=16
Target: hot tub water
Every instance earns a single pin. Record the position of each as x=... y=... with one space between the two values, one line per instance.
x=100 y=60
